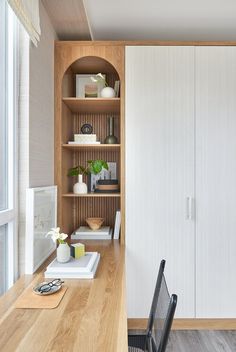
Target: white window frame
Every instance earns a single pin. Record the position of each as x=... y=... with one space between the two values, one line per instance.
x=9 y=216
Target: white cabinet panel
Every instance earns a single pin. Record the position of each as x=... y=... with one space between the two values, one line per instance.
x=216 y=182
x=159 y=174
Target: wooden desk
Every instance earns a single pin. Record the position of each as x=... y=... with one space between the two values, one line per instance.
x=90 y=318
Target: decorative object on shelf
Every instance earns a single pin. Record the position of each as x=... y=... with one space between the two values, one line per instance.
x=85 y=138
x=77 y=250
x=80 y=187
x=63 y=250
x=107 y=186
x=93 y=167
x=111 y=139
x=48 y=288
x=86 y=128
x=95 y=223
x=109 y=174
x=117 y=88
x=86 y=89
x=116 y=234
x=106 y=92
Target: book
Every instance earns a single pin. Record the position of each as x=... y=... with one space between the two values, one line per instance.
x=85 y=230
x=93 y=235
x=83 y=264
x=117 y=88
x=108 y=182
x=77 y=250
x=106 y=191
x=116 y=233
x=75 y=275
x=79 y=143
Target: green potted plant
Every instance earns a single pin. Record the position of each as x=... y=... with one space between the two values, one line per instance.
x=93 y=167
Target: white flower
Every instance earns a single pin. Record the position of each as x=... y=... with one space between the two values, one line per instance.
x=63 y=236
x=56 y=235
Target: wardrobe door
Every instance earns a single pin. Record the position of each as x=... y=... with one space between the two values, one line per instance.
x=159 y=174
x=216 y=182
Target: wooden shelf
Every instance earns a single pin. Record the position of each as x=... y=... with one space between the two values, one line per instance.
x=110 y=147
x=93 y=104
x=91 y=195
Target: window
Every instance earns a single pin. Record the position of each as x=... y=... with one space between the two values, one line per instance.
x=8 y=147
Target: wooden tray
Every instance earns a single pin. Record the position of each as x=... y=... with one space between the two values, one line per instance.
x=28 y=299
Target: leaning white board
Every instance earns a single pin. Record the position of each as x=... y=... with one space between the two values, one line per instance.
x=41 y=216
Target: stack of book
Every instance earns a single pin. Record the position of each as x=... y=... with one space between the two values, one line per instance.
x=84 y=139
x=85 y=233
x=107 y=186
x=82 y=268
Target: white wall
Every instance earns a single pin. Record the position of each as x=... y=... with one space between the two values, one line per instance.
x=36 y=122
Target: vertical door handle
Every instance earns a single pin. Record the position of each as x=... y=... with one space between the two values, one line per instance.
x=189 y=208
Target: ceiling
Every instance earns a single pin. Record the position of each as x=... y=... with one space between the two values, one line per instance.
x=143 y=20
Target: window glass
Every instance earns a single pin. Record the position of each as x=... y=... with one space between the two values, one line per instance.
x=3 y=119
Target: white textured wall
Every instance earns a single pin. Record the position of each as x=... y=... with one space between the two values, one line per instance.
x=36 y=121
x=41 y=106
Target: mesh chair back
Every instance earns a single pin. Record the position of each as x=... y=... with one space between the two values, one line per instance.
x=155 y=297
x=164 y=314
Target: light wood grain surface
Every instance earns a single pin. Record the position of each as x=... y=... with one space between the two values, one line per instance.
x=90 y=317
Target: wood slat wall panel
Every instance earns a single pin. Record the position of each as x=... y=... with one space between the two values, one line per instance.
x=95 y=207
x=99 y=123
x=80 y=158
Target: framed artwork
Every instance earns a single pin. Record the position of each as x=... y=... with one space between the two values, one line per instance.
x=86 y=88
x=41 y=216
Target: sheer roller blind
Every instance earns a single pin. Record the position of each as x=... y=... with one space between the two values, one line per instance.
x=27 y=12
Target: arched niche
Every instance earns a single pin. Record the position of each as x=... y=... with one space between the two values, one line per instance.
x=87 y=65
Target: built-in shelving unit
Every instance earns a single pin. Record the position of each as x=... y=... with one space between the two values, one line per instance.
x=71 y=113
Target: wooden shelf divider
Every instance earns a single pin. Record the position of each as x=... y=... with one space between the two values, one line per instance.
x=91 y=195
x=111 y=147
x=111 y=105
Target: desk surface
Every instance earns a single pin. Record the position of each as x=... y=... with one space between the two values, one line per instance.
x=90 y=318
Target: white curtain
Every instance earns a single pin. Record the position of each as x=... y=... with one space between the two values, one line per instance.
x=27 y=12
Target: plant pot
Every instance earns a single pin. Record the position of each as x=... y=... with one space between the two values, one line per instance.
x=108 y=92
x=80 y=187
x=63 y=253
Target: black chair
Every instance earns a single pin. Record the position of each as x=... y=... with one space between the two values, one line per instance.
x=160 y=319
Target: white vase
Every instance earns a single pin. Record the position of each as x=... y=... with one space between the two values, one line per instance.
x=63 y=253
x=108 y=92
x=80 y=187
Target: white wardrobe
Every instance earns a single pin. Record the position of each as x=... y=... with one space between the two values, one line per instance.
x=181 y=177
